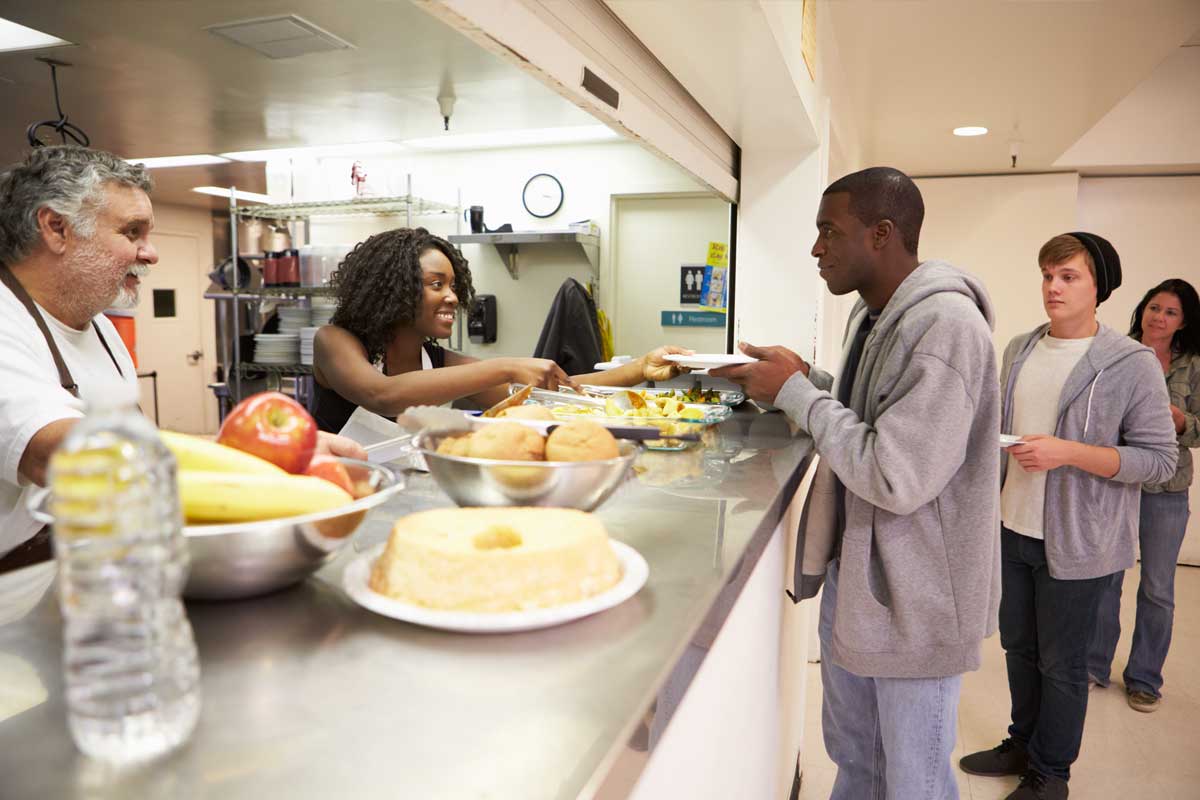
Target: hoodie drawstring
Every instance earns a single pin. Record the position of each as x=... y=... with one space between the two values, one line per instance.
x=1087 y=420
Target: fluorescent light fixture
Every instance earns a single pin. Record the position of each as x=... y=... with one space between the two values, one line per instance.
x=18 y=37
x=529 y=137
x=221 y=191
x=178 y=161
x=970 y=130
x=317 y=151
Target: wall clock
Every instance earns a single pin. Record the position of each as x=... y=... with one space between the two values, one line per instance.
x=542 y=195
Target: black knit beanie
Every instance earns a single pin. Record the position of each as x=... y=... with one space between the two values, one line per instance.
x=1108 y=263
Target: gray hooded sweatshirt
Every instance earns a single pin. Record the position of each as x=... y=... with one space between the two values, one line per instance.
x=1115 y=397
x=919 y=576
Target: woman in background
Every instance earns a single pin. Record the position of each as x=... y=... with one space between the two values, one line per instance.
x=397 y=293
x=1168 y=321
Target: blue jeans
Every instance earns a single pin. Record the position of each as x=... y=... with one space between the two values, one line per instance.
x=1162 y=524
x=1045 y=627
x=891 y=738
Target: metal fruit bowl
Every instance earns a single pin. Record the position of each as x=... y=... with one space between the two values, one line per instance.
x=561 y=484
x=243 y=559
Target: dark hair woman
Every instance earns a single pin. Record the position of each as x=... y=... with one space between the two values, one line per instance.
x=1168 y=321
x=398 y=292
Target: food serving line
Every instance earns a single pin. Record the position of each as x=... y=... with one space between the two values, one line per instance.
x=305 y=691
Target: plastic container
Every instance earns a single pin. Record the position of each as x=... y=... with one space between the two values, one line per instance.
x=289 y=267
x=271 y=268
x=131 y=672
x=310 y=265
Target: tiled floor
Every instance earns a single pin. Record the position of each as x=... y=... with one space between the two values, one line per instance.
x=1126 y=754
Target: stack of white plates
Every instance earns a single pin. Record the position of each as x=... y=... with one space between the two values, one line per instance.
x=306 y=344
x=322 y=311
x=292 y=319
x=277 y=348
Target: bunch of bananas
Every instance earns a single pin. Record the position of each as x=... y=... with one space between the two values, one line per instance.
x=222 y=484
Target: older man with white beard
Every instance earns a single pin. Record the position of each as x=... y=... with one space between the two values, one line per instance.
x=74 y=240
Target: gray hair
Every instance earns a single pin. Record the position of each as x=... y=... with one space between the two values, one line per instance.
x=67 y=179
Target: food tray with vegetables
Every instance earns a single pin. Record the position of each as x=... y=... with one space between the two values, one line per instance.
x=630 y=407
x=694 y=395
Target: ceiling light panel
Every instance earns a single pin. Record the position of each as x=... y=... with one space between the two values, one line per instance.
x=178 y=161
x=18 y=37
x=317 y=151
x=529 y=137
x=970 y=130
x=220 y=191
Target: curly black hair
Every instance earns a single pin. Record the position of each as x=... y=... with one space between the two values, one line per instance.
x=379 y=285
x=1187 y=339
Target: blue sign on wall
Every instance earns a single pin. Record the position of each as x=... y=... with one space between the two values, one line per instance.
x=693 y=319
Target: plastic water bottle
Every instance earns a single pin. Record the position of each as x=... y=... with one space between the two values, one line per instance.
x=132 y=676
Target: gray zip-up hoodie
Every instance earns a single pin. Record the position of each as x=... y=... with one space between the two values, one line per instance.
x=1114 y=397
x=919 y=579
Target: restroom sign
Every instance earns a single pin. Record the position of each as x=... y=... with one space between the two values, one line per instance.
x=692 y=319
x=691 y=279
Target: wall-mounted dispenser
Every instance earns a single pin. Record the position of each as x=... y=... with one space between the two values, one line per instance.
x=481 y=322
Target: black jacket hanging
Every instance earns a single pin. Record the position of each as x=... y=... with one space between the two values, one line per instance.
x=571 y=334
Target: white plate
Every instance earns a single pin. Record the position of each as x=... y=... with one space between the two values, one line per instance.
x=1008 y=439
x=710 y=360
x=634 y=572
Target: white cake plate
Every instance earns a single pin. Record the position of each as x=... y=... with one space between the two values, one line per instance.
x=634 y=572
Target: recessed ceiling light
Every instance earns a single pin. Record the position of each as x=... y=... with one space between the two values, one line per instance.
x=970 y=130
x=18 y=37
x=317 y=151
x=178 y=161
x=219 y=191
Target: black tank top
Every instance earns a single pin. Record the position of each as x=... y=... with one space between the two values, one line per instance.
x=331 y=410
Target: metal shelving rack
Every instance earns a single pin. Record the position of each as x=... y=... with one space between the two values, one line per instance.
x=407 y=204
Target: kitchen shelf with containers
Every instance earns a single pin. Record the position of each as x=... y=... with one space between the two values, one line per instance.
x=291 y=281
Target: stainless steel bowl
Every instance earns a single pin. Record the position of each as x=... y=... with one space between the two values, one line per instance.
x=243 y=559
x=562 y=484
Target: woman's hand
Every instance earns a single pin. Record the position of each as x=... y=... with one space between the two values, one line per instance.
x=331 y=444
x=1178 y=418
x=656 y=368
x=540 y=372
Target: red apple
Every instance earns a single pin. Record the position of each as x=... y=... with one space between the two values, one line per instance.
x=274 y=427
x=332 y=470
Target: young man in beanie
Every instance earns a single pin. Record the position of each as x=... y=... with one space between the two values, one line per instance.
x=1093 y=414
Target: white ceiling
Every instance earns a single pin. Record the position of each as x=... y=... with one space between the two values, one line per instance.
x=1050 y=69
x=901 y=74
x=148 y=80
x=1155 y=128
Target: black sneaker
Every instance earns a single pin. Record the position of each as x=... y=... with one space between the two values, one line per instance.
x=1142 y=701
x=1007 y=758
x=1036 y=786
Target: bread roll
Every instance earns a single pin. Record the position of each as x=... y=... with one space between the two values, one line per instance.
x=508 y=441
x=455 y=445
x=528 y=412
x=581 y=441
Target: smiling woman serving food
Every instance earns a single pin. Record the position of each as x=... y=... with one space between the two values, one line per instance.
x=397 y=293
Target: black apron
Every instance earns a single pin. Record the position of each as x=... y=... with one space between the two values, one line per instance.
x=40 y=548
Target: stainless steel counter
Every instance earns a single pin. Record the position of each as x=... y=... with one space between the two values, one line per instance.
x=307 y=695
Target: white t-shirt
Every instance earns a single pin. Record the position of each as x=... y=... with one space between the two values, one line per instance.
x=31 y=396
x=1035 y=410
